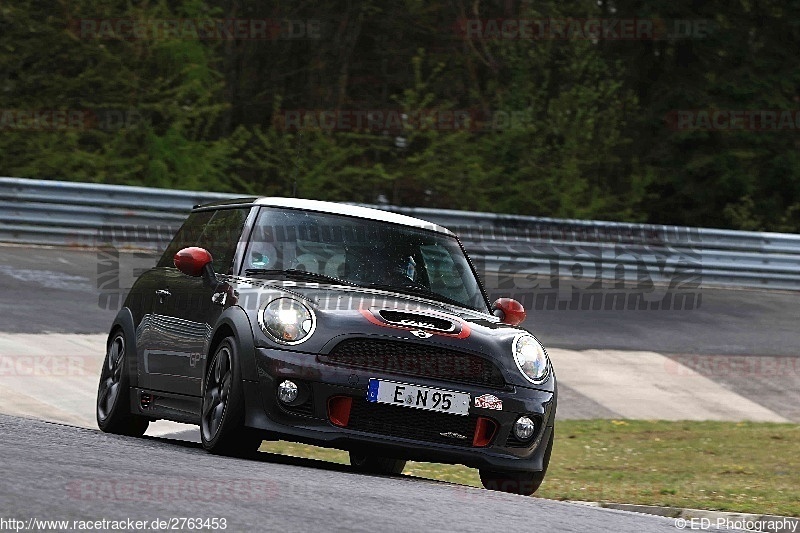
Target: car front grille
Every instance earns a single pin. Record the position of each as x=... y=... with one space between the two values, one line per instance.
x=409 y=423
x=415 y=359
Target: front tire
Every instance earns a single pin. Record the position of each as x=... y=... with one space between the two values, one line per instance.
x=524 y=483
x=372 y=464
x=113 y=408
x=222 y=417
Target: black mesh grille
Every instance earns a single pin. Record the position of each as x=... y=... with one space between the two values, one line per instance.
x=413 y=359
x=409 y=423
x=514 y=442
x=305 y=409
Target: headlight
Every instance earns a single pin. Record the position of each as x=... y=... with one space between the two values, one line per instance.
x=287 y=321
x=531 y=358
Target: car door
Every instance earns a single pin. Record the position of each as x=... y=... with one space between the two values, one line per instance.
x=154 y=370
x=183 y=312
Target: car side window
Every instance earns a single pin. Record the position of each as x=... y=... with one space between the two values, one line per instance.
x=217 y=231
x=221 y=235
x=187 y=235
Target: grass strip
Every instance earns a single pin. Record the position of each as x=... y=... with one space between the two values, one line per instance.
x=726 y=466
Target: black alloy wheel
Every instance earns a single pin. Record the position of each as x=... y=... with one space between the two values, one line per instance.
x=113 y=392
x=222 y=428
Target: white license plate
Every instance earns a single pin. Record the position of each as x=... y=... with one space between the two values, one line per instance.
x=417 y=397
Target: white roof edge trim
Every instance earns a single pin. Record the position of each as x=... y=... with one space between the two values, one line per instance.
x=350 y=210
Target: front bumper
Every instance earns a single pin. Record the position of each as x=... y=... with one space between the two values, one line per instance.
x=309 y=421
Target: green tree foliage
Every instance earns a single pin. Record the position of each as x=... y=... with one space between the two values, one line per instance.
x=145 y=109
x=743 y=59
x=565 y=126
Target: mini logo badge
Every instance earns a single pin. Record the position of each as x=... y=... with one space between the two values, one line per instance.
x=421 y=334
x=489 y=401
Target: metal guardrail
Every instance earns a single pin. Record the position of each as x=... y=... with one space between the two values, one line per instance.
x=524 y=251
x=85 y=214
x=583 y=252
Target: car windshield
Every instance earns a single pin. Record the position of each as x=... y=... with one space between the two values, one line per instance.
x=366 y=253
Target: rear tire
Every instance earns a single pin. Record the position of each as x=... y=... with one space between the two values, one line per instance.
x=372 y=464
x=113 y=407
x=222 y=428
x=524 y=483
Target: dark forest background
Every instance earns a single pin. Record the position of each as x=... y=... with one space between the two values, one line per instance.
x=567 y=127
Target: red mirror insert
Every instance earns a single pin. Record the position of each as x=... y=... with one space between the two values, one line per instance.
x=191 y=261
x=509 y=311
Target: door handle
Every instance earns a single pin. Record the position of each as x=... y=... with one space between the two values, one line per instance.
x=163 y=293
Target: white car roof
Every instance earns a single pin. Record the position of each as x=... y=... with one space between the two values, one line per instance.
x=351 y=210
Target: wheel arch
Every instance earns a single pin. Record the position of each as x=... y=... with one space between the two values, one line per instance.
x=235 y=323
x=124 y=321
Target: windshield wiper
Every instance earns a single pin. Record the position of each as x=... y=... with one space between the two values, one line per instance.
x=416 y=290
x=296 y=274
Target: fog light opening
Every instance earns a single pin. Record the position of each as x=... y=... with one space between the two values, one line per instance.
x=287 y=392
x=524 y=428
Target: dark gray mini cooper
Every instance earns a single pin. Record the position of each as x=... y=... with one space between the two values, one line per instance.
x=333 y=325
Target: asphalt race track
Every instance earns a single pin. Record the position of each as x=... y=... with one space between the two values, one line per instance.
x=59 y=472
